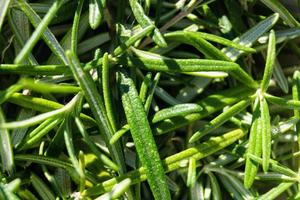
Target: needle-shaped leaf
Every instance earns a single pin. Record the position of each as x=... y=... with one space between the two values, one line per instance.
x=6 y=150
x=47 y=35
x=145 y=87
x=280 y=77
x=271 y=55
x=216 y=191
x=42 y=105
x=42 y=189
x=74 y=32
x=39 y=118
x=96 y=12
x=117 y=191
x=177 y=110
x=20 y=26
x=139 y=35
x=97 y=106
x=47 y=87
x=145 y=21
x=214 y=38
x=156 y=62
x=34 y=69
x=68 y=138
x=107 y=96
x=199 y=43
x=191 y=176
x=53 y=162
x=4 y=5
x=143 y=137
x=19 y=134
x=39 y=30
x=220 y=119
x=254 y=145
x=236 y=183
x=275 y=192
x=275 y=166
x=286 y=103
x=266 y=132
x=251 y=36
x=277 y=7
x=35 y=135
x=165 y=96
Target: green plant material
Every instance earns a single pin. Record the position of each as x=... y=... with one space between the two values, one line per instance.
x=235 y=183
x=18 y=135
x=166 y=97
x=74 y=34
x=174 y=111
x=145 y=87
x=274 y=166
x=6 y=151
x=145 y=21
x=35 y=136
x=42 y=189
x=255 y=145
x=210 y=104
x=219 y=120
x=119 y=133
x=199 y=43
x=144 y=143
x=21 y=28
x=116 y=191
x=266 y=133
x=296 y=96
x=164 y=64
x=39 y=30
x=54 y=162
x=39 y=118
x=96 y=12
x=276 y=6
x=106 y=160
x=107 y=94
x=191 y=176
x=33 y=69
x=4 y=95
x=147 y=104
x=195 y=70
x=67 y=39
x=90 y=92
x=4 y=5
x=269 y=62
x=68 y=138
x=175 y=161
x=47 y=88
x=177 y=35
x=275 y=192
x=47 y=35
x=248 y=38
x=139 y=35
x=289 y=104
x=215 y=186
x=280 y=78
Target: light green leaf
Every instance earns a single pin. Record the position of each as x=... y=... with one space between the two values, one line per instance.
x=6 y=150
x=271 y=55
x=96 y=12
x=144 y=143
